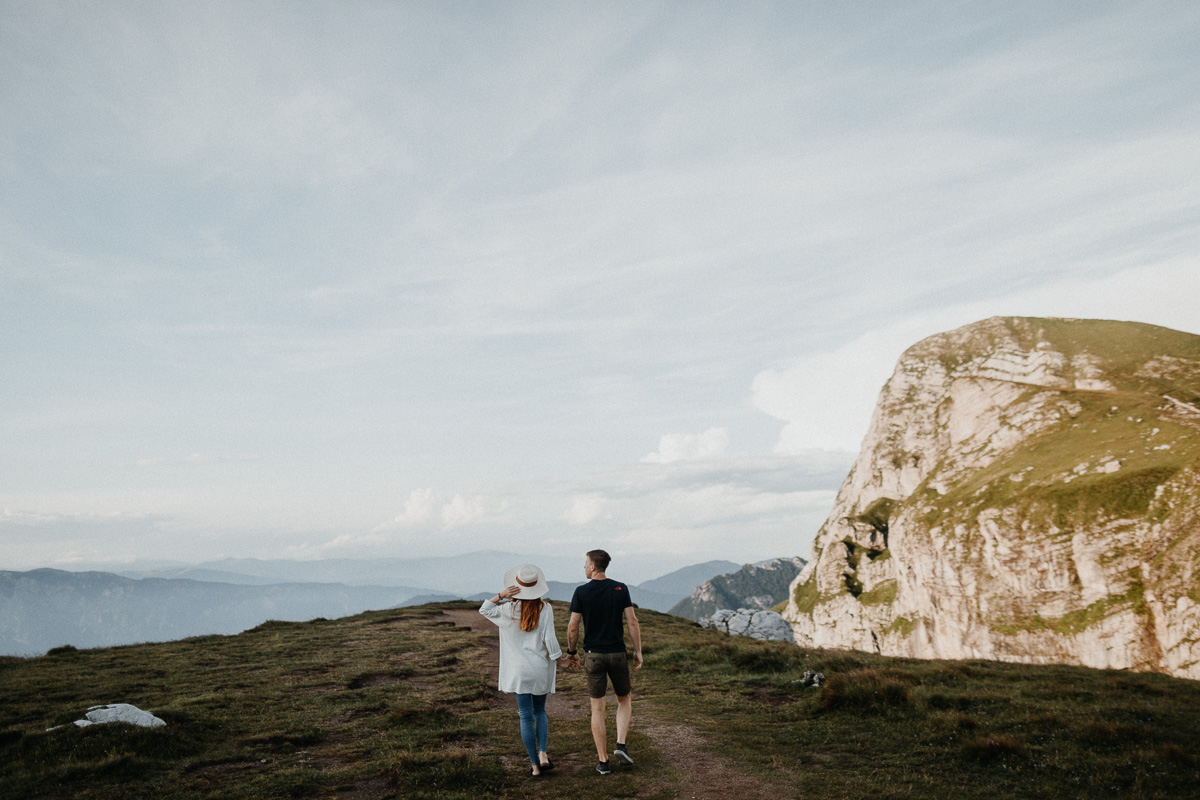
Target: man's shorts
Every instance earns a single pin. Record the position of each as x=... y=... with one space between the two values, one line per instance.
x=599 y=667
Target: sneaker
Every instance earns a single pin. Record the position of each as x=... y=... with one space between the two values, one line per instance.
x=621 y=753
x=603 y=768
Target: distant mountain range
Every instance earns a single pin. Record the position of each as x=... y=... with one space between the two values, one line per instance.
x=761 y=585
x=46 y=608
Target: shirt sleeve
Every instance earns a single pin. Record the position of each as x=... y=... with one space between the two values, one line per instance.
x=627 y=602
x=576 y=605
x=490 y=610
x=553 y=650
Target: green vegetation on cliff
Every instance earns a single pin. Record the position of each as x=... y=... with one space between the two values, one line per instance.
x=399 y=704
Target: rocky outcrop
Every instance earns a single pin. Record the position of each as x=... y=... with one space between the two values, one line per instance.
x=757 y=624
x=1027 y=491
x=761 y=585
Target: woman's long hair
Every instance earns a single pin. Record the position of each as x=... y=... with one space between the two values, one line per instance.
x=531 y=612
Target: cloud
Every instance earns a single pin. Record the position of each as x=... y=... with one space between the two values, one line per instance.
x=826 y=399
x=689 y=446
x=418 y=509
x=584 y=509
x=196 y=458
x=460 y=510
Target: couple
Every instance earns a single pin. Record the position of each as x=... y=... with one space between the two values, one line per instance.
x=529 y=652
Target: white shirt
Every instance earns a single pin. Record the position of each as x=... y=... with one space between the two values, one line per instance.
x=528 y=659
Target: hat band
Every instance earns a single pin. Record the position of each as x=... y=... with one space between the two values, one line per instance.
x=527 y=585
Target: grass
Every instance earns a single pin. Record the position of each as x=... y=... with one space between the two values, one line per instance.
x=394 y=704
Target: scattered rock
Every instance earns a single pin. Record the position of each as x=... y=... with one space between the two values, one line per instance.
x=119 y=712
x=755 y=623
x=813 y=679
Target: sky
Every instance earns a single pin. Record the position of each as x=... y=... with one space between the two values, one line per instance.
x=398 y=279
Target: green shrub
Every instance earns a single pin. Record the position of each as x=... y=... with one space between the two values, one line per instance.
x=867 y=690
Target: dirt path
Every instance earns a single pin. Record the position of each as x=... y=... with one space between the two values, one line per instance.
x=701 y=773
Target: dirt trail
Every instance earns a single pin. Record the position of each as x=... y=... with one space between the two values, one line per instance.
x=702 y=774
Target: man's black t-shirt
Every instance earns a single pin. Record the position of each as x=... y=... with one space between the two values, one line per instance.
x=602 y=604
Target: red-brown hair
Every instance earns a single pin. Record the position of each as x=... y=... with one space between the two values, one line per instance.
x=531 y=612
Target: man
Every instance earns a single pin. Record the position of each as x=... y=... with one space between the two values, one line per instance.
x=602 y=604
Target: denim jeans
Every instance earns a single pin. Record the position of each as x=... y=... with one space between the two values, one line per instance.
x=535 y=729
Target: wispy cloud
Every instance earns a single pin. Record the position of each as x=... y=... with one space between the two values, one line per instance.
x=689 y=446
x=196 y=458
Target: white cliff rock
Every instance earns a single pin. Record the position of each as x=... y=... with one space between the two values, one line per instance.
x=1013 y=500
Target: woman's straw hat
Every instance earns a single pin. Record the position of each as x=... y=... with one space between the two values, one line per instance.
x=531 y=580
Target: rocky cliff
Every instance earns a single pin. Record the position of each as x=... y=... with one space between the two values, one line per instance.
x=1027 y=491
x=754 y=586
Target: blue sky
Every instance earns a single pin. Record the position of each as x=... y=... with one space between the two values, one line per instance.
x=358 y=279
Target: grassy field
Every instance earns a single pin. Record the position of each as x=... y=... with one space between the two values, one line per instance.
x=397 y=704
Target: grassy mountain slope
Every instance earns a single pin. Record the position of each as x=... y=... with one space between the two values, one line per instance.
x=398 y=703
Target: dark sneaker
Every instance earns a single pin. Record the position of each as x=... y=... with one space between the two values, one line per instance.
x=603 y=768
x=623 y=755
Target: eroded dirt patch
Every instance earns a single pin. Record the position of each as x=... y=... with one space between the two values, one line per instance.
x=703 y=775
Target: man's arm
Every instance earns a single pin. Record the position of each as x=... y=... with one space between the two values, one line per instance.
x=573 y=638
x=635 y=633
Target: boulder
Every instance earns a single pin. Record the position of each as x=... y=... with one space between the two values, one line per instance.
x=119 y=712
x=755 y=623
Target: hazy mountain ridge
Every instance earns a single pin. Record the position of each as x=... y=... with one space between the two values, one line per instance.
x=1027 y=491
x=47 y=608
x=762 y=585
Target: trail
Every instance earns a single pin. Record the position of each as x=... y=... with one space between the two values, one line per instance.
x=699 y=772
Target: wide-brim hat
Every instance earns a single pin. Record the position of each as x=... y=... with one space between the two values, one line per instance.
x=531 y=580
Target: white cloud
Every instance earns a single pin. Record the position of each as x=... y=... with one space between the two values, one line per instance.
x=584 y=508
x=689 y=446
x=825 y=400
x=462 y=510
x=418 y=509
x=195 y=458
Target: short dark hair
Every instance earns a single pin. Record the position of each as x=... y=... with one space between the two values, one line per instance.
x=600 y=559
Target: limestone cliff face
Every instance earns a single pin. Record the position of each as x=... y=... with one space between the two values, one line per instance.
x=1029 y=490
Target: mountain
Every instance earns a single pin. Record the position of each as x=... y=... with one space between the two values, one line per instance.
x=46 y=608
x=761 y=585
x=467 y=573
x=681 y=582
x=1027 y=491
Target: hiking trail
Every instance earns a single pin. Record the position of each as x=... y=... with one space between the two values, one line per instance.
x=699 y=772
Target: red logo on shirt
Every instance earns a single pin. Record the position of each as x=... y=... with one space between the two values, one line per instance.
x=618 y=588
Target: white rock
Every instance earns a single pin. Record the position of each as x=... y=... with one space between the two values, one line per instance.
x=119 y=712
x=755 y=623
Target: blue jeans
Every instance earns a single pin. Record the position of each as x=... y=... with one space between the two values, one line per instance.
x=535 y=729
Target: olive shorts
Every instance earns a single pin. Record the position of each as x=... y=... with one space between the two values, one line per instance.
x=599 y=667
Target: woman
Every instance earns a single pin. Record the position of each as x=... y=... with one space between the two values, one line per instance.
x=529 y=654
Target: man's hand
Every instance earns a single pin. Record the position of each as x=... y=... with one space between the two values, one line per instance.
x=572 y=661
x=637 y=660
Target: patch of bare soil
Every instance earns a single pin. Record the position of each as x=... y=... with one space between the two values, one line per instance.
x=374 y=679
x=703 y=775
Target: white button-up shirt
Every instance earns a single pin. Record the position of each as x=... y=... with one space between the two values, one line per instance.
x=528 y=659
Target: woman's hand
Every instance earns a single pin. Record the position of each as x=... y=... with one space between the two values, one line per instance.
x=508 y=594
